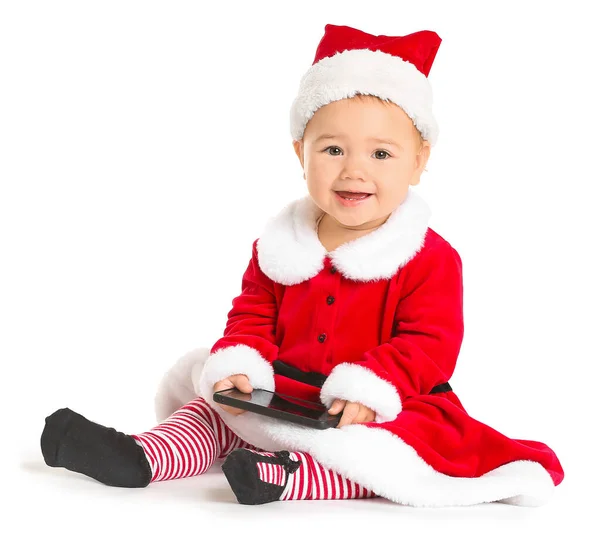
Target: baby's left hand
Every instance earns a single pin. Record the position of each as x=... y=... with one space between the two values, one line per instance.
x=353 y=412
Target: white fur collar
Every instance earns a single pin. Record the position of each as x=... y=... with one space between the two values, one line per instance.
x=289 y=250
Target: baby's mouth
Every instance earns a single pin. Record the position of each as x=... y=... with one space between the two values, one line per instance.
x=353 y=195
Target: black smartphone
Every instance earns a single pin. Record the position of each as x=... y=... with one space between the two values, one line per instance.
x=280 y=406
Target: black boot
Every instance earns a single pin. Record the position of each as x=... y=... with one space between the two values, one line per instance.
x=71 y=441
x=242 y=474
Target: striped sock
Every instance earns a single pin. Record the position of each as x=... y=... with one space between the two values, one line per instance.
x=188 y=442
x=309 y=481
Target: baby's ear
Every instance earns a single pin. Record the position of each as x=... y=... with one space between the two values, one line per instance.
x=299 y=149
x=423 y=155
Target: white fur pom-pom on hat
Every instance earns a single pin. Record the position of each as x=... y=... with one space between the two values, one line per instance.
x=349 y=62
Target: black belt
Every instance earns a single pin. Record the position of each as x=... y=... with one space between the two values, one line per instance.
x=318 y=379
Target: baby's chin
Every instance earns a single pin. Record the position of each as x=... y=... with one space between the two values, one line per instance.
x=356 y=221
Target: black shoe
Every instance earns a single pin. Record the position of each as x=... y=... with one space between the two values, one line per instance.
x=71 y=441
x=242 y=474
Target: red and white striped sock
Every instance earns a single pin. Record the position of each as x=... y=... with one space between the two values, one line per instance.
x=188 y=442
x=310 y=481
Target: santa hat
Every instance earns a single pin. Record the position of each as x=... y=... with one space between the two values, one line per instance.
x=349 y=62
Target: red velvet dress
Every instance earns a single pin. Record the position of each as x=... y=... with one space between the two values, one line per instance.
x=381 y=318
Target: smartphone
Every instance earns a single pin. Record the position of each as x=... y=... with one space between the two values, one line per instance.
x=280 y=406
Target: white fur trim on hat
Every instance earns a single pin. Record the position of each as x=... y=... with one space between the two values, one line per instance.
x=377 y=73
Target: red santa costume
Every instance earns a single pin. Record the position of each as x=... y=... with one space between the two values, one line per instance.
x=378 y=320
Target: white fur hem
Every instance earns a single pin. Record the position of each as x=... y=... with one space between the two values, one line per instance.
x=356 y=383
x=383 y=463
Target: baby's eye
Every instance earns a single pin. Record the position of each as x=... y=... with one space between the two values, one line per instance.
x=382 y=151
x=331 y=147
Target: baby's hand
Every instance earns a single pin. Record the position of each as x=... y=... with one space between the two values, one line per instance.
x=353 y=412
x=240 y=382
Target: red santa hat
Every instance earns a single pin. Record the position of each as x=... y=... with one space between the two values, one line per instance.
x=349 y=62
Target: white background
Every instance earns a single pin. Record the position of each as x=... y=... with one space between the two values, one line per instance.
x=144 y=145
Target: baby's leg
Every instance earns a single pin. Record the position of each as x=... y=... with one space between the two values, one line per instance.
x=183 y=445
x=261 y=477
x=188 y=442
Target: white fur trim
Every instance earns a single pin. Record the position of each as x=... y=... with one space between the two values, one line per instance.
x=233 y=360
x=377 y=73
x=289 y=250
x=355 y=383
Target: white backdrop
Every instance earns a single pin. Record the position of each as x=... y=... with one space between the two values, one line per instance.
x=144 y=145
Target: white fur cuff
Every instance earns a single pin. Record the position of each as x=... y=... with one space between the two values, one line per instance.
x=233 y=360
x=355 y=383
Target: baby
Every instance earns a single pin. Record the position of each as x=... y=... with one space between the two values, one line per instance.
x=350 y=288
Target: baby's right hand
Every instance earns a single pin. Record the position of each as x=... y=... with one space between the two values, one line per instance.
x=240 y=382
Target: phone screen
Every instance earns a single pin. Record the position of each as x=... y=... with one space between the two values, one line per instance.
x=279 y=402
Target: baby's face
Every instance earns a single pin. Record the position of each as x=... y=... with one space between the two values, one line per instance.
x=353 y=161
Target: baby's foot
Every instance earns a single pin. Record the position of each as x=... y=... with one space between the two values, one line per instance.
x=71 y=441
x=258 y=477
